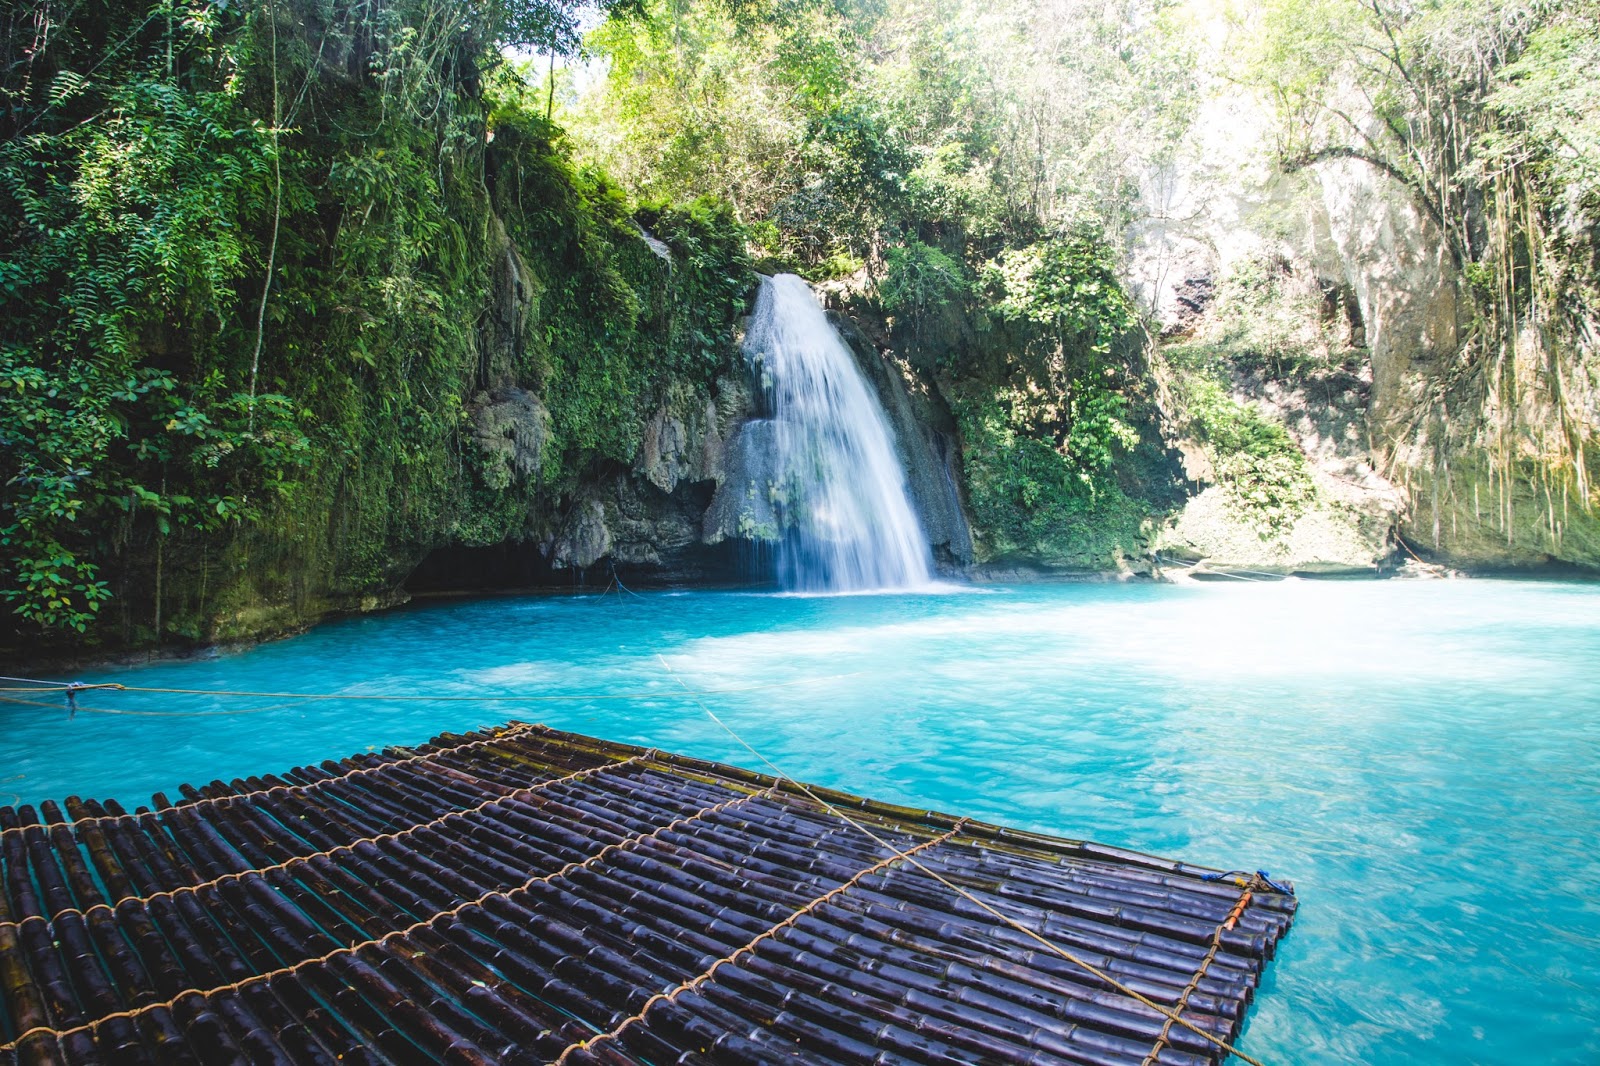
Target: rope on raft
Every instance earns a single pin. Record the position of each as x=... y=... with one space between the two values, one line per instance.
x=1199 y=975
x=416 y=936
x=1173 y=1016
x=300 y=860
x=732 y=959
x=310 y=786
x=1248 y=880
x=630 y=842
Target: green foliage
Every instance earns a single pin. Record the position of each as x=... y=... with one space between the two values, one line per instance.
x=686 y=110
x=129 y=237
x=711 y=280
x=921 y=278
x=1252 y=455
x=1043 y=430
x=1264 y=314
x=1065 y=283
x=1031 y=499
x=1098 y=427
x=1264 y=319
x=854 y=127
x=1085 y=430
x=147 y=414
x=551 y=25
x=1550 y=99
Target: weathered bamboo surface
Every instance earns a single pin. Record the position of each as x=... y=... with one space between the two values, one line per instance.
x=525 y=895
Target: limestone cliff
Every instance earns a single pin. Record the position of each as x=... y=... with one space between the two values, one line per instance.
x=1403 y=443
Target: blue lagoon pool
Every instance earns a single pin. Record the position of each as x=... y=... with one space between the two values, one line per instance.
x=1421 y=758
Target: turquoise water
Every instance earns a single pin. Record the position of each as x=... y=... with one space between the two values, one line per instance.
x=1421 y=758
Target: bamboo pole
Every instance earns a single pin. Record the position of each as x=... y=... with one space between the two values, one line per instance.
x=330 y=1031
x=265 y=873
x=49 y=975
x=174 y=951
x=24 y=1001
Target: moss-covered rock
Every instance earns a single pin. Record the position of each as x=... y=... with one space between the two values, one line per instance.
x=472 y=339
x=1268 y=402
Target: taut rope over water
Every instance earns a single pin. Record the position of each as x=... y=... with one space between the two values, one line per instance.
x=40 y=687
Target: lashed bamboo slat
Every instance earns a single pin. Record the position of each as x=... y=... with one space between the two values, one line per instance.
x=520 y=895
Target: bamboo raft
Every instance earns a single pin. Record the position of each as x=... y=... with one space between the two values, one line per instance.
x=525 y=895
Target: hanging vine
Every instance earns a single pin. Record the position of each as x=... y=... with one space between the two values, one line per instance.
x=1453 y=103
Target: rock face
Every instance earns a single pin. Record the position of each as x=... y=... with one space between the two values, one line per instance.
x=1415 y=451
x=651 y=517
x=513 y=303
x=684 y=440
x=1474 y=494
x=1396 y=263
x=1476 y=469
x=746 y=503
x=1347 y=525
x=512 y=427
x=657 y=519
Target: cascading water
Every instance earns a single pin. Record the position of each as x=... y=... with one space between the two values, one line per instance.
x=849 y=521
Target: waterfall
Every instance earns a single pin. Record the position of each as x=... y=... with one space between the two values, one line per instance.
x=849 y=523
